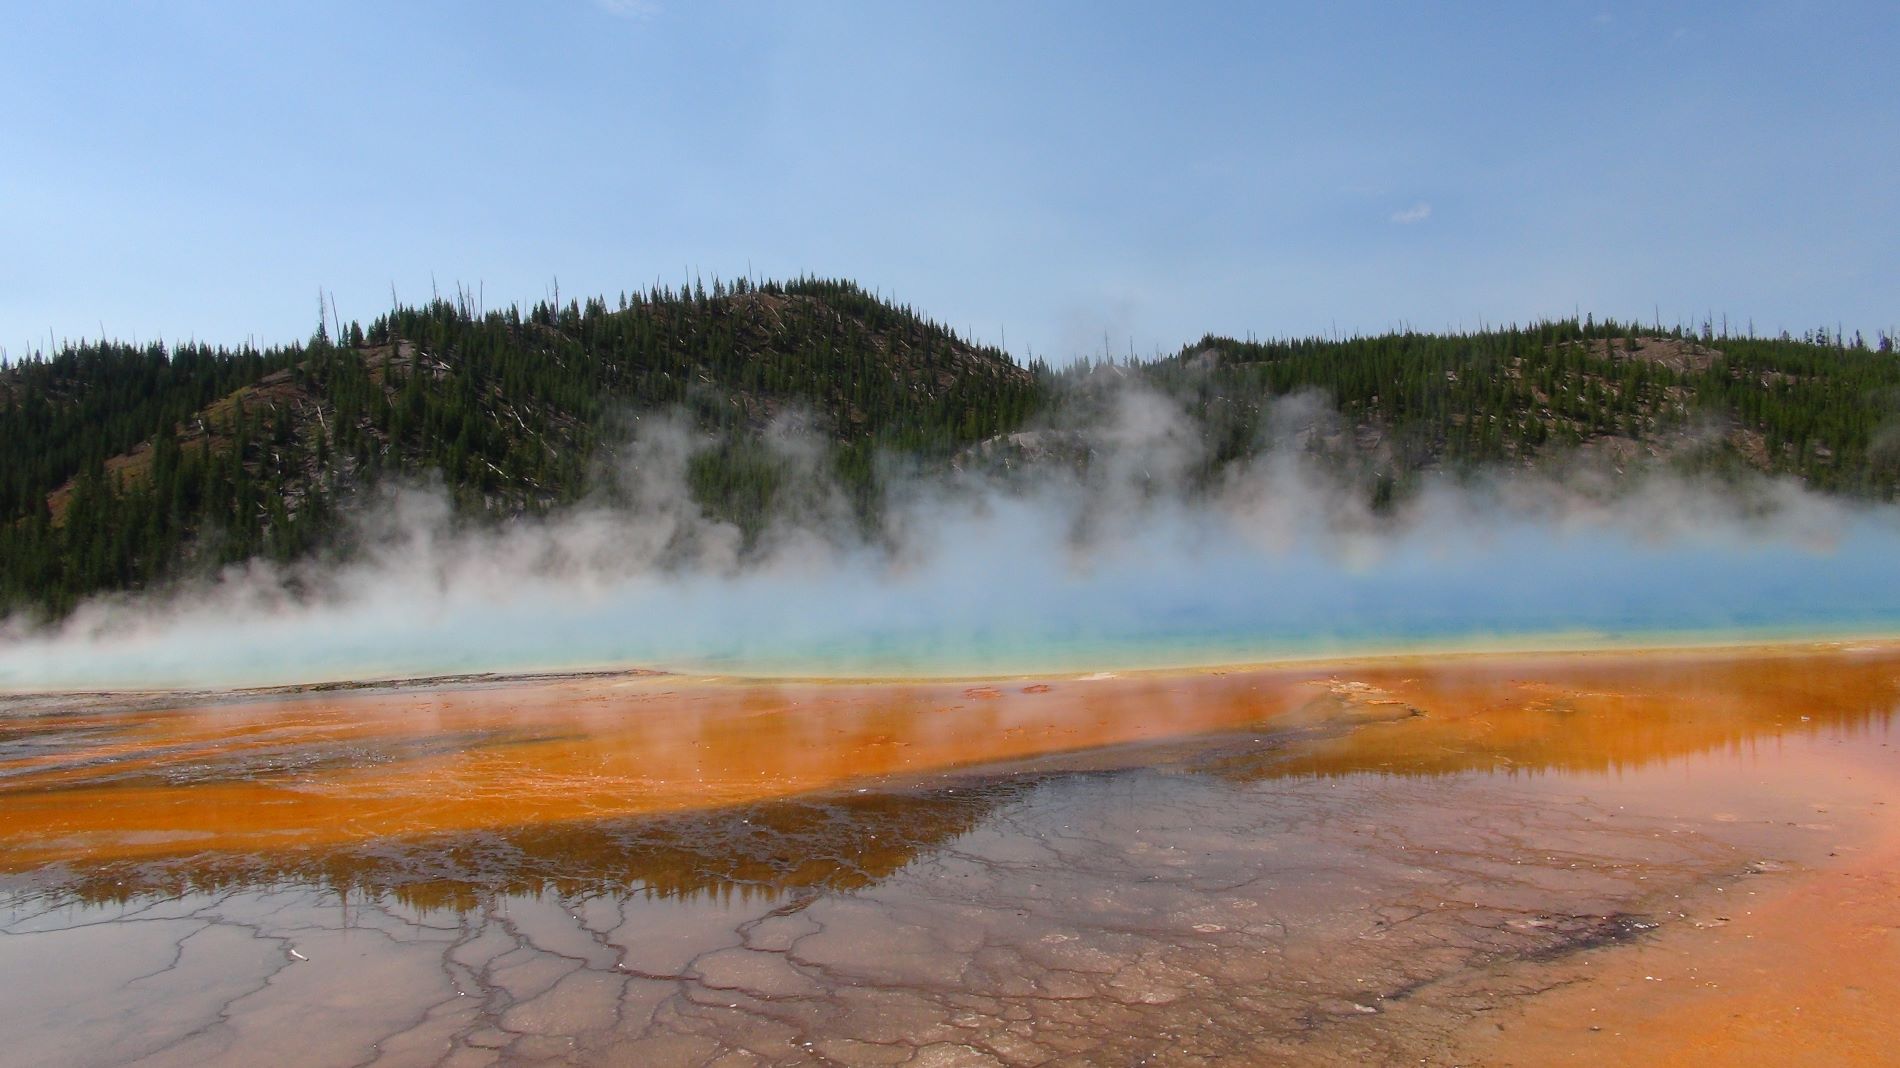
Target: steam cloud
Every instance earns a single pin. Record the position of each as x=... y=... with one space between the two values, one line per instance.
x=1037 y=568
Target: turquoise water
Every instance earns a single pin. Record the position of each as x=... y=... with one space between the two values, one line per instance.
x=1002 y=606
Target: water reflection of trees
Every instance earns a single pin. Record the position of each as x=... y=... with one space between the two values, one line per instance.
x=1580 y=734
x=1455 y=721
x=753 y=852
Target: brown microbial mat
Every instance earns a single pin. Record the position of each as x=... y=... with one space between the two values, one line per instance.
x=1664 y=858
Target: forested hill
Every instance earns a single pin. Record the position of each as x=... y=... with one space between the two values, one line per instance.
x=1611 y=396
x=122 y=465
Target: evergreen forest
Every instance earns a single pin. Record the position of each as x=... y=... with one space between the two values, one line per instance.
x=124 y=466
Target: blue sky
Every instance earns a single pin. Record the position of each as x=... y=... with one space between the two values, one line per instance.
x=1049 y=173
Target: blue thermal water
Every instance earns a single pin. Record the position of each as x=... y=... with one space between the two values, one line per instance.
x=1007 y=604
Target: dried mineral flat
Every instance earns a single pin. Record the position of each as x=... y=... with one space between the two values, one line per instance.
x=1613 y=858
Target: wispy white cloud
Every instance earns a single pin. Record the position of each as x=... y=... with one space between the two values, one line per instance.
x=640 y=10
x=1417 y=213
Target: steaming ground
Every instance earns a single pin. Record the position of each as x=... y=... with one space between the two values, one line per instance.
x=1025 y=571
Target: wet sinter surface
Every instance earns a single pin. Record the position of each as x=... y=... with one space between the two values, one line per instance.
x=1600 y=858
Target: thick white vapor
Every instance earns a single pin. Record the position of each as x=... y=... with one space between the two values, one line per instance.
x=1031 y=565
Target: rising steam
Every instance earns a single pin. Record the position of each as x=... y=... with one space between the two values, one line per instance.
x=1031 y=566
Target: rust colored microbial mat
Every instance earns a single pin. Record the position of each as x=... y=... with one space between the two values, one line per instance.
x=1661 y=858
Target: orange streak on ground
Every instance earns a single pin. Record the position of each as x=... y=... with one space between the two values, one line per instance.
x=335 y=768
x=331 y=769
x=1802 y=969
x=1799 y=970
x=1601 y=712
